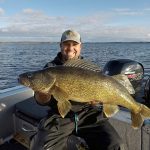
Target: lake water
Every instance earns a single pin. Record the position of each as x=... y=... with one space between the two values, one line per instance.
x=16 y=58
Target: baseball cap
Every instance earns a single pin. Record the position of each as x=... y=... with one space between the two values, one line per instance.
x=71 y=35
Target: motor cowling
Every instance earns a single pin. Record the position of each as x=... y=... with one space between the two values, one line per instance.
x=132 y=69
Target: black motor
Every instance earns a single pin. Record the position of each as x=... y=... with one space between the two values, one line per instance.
x=147 y=91
x=132 y=69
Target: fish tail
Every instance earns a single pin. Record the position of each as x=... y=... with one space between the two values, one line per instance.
x=138 y=118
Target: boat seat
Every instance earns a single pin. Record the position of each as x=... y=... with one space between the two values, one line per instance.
x=27 y=116
x=30 y=111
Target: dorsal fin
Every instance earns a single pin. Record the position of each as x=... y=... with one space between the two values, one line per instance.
x=81 y=63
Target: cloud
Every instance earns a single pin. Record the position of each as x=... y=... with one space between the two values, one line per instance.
x=148 y=34
x=106 y=34
x=31 y=23
x=28 y=11
x=131 y=12
x=2 y=11
x=4 y=30
x=147 y=10
x=32 y=12
x=127 y=11
x=101 y=26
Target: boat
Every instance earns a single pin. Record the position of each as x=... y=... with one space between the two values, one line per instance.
x=20 y=116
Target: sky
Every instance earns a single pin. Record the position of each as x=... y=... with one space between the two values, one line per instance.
x=95 y=20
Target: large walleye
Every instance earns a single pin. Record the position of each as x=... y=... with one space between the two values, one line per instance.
x=81 y=84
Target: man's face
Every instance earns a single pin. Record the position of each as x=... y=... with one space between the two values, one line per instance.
x=70 y=49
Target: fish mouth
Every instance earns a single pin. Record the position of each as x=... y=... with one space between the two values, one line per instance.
x=24 y=81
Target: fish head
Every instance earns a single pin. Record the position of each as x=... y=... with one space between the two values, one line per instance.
x=37 y=80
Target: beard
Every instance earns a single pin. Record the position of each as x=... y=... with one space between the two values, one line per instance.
x=70 y=55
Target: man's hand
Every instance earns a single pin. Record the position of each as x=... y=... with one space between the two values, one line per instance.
x=42 y=98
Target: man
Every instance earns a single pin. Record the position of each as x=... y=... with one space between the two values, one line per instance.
x=84 y=126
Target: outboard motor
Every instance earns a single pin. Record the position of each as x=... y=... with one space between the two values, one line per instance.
x=147 y=91
x=132 y=69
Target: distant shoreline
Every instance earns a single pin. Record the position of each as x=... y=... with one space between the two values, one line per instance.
x=58 y=42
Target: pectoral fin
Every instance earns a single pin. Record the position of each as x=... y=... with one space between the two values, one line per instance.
x=110 y=110
x=64 y=108
x=123 y=79
x=63 y=104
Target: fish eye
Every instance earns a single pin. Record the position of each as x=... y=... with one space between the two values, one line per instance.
x=29 y=75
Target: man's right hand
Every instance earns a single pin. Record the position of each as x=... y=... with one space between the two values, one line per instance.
x=42 y=98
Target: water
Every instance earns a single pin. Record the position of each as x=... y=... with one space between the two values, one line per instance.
x=16 y=58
